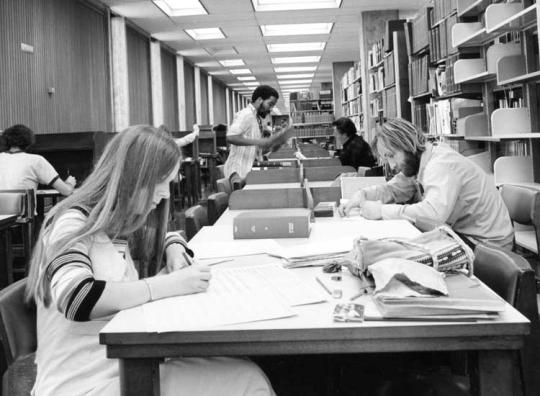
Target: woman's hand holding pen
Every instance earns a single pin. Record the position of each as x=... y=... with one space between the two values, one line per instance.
x=71 y=181
x=189 y=280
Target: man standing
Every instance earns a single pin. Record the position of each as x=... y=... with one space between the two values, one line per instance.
x=245 y=135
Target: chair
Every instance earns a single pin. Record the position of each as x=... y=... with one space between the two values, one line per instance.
x=19 y=340
x=217 y=203
x=511 y=277
x=224 y=185
x=326 y=172
x=220 y=171
x=267 y=199
x=513 y=169
x=22 y=203
x=523 y=204
x=196 y=218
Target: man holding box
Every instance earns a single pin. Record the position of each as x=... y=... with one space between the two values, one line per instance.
x=246 y=135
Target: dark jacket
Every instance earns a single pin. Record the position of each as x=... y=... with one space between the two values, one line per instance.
x=357 y=152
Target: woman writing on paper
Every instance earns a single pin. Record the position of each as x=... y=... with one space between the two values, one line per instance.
x=81 y=275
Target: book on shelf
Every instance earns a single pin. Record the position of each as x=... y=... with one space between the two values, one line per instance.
x=442 y=9
x=419 y=74
x=419 y=31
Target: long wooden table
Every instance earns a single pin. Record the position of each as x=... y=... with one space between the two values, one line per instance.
x=312 y=331
x=6 y=264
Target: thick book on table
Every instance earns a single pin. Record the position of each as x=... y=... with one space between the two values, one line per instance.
x=292 y=223
x=466 y=296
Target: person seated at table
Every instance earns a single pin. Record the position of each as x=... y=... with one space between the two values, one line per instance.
x=245 y=135
x=81 y=275
x=20 y=170
x=435 y=184
x=356 y=152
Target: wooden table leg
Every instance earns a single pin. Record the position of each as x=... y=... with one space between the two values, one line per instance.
x=139 y=377
x=6 y=259
x=496 y=373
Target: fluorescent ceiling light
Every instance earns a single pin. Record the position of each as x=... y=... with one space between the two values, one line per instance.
x=296 y=47
x=277 y=5
x=205 y=34
x=294 y=69
x=289 y=76
x=296 y=29
x=181 y=7
x=236 y=84
x=240 y=71
x=289 y=82
x=296 y=59
x=252 y=84
x=248 y=78
x=232 y=62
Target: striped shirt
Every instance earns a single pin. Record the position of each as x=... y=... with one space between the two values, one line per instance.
x=241 y=158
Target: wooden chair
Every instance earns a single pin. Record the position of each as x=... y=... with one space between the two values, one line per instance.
x=22 y=203
x=326 y=194
x=513 y=169
x=324 y=173
x=19 y=340
x=523 y=204
x=217 y=203
x=196 y=218
x=224 y=185
x=283 y=175
x=267 y=199
x=511 y=277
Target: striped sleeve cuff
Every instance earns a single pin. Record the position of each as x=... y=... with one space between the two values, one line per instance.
x=173 y=238
x=71 y=257
x=53 y=180
x=83 y=299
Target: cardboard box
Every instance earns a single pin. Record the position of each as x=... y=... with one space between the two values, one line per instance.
x=277 y=223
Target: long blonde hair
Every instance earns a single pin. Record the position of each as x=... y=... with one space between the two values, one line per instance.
x=118 y=197
x=399 y=134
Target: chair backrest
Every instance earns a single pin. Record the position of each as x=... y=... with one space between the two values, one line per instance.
x=511 y=277
x=317 y=162
x=513 y=169
x=282 y=175
x=21 y=202
x=17 y=322
x=224 y=185
x=522 y=203
x=267 y=199
x=217 y=203
x=326 y=194
x=196 y=218
x=220 y=171
x=324 y=173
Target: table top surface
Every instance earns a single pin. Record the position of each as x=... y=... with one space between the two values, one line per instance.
x=48 y=192
x=7 y=219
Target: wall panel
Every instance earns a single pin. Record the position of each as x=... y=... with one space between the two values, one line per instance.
x=189 y=78
x=220 y=106
x=69 y=59
x=204 y=98
x=170 y=90
x=140 y=94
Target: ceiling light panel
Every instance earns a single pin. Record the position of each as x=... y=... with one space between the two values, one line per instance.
x=290 y=82
x=232 y=62
x=278 y=5
x=240 y=71
x=251 y=84
x=296 y=59
x=296 y=47
x=177 y=8
x=291 y=76
x=205 y=34
x=247 y=78
x=295 y=69
x=296 y=29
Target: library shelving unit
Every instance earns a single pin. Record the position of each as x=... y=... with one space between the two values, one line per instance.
x=351 y=94
x=312 y=118
x=476 y=83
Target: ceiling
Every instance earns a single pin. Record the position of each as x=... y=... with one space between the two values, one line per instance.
x=244 y=40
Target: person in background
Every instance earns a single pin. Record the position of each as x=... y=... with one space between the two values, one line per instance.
x=356 y=152
x=184 y=140
x=435 y=184
x=20 y=170
x=82 y=273
x=245 y=135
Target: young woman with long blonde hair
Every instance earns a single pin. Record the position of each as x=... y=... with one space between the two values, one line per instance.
x=82 y=273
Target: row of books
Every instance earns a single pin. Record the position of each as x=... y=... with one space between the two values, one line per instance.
x=376 y=80
x=303 y=105
x=418 y=70
x=440 y=39
x=375 y=106
x=443 y=8
x=390 y=105
x=419 y=32
x=313 y=131
x=442 y=115
x=420 y=117
x=311 y=117
x=352 y=91
x=354 y=107
x=389 y=69
x=351 y=75
x=516 y=148
x=376 y=53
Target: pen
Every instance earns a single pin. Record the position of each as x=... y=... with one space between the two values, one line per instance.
x=364 y=291
x=187 y=258
x=323 y=285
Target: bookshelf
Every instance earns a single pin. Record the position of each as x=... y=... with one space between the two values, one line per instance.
x=476 y=84
x=312 y=118
x=351 y=94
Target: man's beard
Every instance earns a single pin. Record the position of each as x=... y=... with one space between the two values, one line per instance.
x=411 y=164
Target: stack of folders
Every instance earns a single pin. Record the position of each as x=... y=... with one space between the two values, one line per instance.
x=467 y=300
x=315 y=260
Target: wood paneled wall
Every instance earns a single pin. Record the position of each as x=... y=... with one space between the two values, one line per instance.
x=170 y=90
x=69 y=60
x=140 y=94
x=189 y=77
x=204 y=99
x=220 y=106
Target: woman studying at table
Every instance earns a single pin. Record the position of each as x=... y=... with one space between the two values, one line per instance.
x=20 y=170
x=81 y=275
